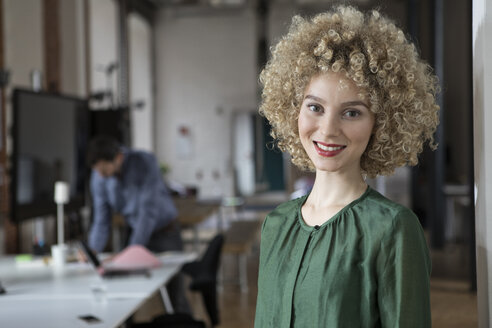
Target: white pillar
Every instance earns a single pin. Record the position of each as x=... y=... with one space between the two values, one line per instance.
x=482 y=120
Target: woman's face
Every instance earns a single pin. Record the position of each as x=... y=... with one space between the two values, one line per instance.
x=335 y=123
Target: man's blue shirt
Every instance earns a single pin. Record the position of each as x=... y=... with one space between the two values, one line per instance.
x=138 y=193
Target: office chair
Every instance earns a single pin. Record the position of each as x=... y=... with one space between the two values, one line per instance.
x=204 y=280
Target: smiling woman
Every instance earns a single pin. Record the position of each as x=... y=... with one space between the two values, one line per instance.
x=335 y=124
x=371 y=52
x=347 y=97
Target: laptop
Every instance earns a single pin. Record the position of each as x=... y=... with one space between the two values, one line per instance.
x=133 y=260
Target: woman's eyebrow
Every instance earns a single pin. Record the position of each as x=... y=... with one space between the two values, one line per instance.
x=318 y=99
x=345 y=104
x=355 y=103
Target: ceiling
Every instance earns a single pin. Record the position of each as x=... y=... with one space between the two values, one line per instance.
x=245 y=3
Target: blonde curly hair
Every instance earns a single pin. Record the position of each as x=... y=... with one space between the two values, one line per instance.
x=371 y=51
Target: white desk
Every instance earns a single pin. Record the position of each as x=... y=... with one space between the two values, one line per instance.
x=45 y=297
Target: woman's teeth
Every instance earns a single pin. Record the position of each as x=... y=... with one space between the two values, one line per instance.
x=328 y=148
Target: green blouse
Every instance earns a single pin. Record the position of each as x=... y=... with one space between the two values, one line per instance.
x=368 y=266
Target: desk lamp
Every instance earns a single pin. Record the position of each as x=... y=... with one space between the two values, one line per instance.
x=59 y=251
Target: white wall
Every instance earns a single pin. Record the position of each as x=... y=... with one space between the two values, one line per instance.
x=206 y=68
x=103 y=36
x=482 y=103
x=23 y=39
x=140 y=62
x=72 y=48
x=24 y=49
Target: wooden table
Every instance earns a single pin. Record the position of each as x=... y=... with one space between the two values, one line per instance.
x=192 y=212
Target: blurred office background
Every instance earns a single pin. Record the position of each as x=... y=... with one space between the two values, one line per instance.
x=180 y=78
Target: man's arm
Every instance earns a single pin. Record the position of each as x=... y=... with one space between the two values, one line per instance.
x=101 y=210
x=155 y=208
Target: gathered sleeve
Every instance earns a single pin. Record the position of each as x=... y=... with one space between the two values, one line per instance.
x=403 y=269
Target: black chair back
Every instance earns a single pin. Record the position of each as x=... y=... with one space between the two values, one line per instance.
x=204 y=276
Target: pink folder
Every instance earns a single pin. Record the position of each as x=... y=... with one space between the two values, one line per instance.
x=134 y=257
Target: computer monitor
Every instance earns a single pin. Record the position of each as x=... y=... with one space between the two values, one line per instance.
x=50 y=134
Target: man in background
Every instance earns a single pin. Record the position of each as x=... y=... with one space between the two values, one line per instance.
x=129 y=182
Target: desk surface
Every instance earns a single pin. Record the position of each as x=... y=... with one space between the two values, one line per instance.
x=46 y=297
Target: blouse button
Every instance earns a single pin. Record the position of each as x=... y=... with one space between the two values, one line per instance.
x=316 y=227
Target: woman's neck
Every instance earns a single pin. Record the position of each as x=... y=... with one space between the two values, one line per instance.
x=336 y=189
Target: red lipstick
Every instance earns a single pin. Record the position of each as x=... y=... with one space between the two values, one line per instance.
x=328 y=150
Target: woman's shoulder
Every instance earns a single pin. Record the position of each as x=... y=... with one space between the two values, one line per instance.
x=380 y=208
x=383 y=218
x=289 y=206
x=285 y=211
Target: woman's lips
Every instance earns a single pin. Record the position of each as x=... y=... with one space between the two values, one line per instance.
x=328 y=150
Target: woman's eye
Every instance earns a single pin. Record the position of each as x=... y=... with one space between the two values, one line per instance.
x=314 y=108
x=351 y=113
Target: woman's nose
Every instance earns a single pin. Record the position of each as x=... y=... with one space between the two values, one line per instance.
x=330 y=125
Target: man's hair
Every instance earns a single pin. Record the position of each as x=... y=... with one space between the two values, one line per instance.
x=102 y=148
x=375 y=54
